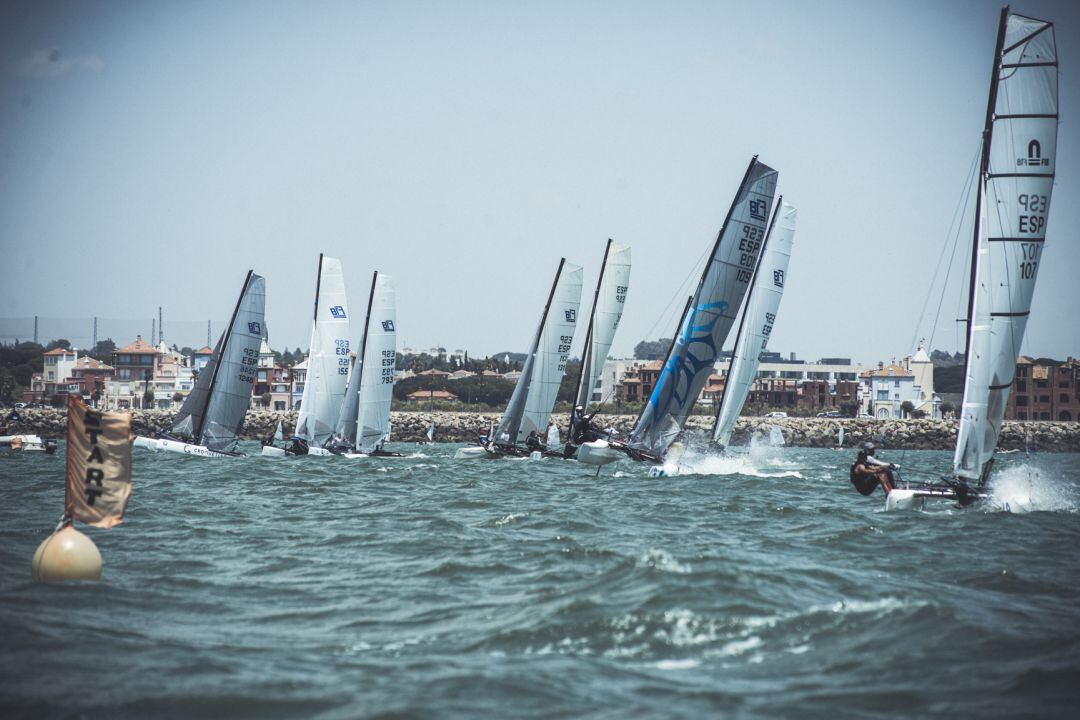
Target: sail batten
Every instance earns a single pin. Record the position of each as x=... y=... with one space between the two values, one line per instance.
x=712 y=312
x=1016 y=183
x=759 y=315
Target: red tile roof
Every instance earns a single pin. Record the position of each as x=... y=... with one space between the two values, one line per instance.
x=139 y=347
x=60 y=351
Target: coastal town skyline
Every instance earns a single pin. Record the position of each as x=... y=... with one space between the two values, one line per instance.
x=185 y=163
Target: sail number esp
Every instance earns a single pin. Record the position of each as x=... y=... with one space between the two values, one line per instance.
x=341 y=349
x=749 y=245
x=388 y=361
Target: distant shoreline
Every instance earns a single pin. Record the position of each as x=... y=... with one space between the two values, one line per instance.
x=411 y=426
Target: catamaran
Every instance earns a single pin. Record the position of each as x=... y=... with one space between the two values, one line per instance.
x=759 y=315
x=211 y=417
x=710 y=312
x=538 y=387
x=328 y=364
x=608 y=302
x=363 y=424
x=1016 y=179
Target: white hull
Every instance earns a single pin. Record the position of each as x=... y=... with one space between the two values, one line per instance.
x=904 y=500
x=665 y=470
x=473 y=452
x=271 y=451
x=174 y=446
x=276 y=452
x=30 y=443
x=598 y=452
x=146 y=443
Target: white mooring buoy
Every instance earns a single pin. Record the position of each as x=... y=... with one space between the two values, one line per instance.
x=67 y=554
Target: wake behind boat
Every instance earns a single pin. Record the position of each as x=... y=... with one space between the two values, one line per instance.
x=209 y=421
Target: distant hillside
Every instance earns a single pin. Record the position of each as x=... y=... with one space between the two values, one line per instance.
x=949 y=379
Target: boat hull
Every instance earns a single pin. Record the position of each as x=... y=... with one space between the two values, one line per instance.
x=24 y=443
x=598 y=452
x=473 y=452
x=146 y=443
x=182 y=448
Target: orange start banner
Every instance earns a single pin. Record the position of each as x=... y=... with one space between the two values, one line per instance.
x=98 y=464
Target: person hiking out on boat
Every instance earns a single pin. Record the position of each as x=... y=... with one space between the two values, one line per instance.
x=299 y=446
x=867 y=472
x=533 y=442
x=580 y=427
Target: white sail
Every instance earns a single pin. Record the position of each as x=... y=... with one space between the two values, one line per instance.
x=328 y=359
x=431 y=432
x=279 y=433
x=608 y=304
x=376 y=366
x=1017 y=177
x=537 y=388
x=230 y=389
x=762 y=305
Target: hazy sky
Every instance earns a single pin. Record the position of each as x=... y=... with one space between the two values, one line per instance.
x=150 y=153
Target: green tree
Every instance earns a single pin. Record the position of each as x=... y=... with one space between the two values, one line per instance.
x=906 y=408
x=652 y=350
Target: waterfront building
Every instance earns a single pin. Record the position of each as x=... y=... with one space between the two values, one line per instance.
x=1045 y=389
x=58 y=363
x=420 y=397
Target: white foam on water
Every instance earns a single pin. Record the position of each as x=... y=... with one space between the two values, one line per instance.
x=696 y=463
x=685 y=664
x=1025 y=488
x=510 y=518
x=662 y=560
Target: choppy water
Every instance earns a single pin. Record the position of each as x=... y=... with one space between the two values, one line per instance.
x=430 y=587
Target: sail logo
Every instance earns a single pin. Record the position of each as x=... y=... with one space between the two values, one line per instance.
x=758 y=209
x=571 y=316
x=1034 y=156
x=388 y=325
x=255 y=328
x=337 y=312
x=778 y=278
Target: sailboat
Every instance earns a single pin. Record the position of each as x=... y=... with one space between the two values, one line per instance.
x=608 y=302
x=364 y=422
x=1016 y=179
x=538 y=387
x=430 y=435
x=759 y=315
x=708 y=317
x=211 y=417
x=328 y=363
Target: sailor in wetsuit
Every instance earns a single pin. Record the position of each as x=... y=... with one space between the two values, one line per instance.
x=867 y=472
x=533 y=442
x=580 y=429
x=299 y=446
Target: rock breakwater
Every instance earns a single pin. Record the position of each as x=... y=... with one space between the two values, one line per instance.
x=409 y=426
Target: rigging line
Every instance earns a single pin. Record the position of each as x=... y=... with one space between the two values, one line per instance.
x=679 y=292
x=961 y=204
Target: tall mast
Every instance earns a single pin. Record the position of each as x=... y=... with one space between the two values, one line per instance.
x=221 y=354
x=984 y=169
x=318 y=286
x=746 y=306
x=723 y=227
x=592 y=317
